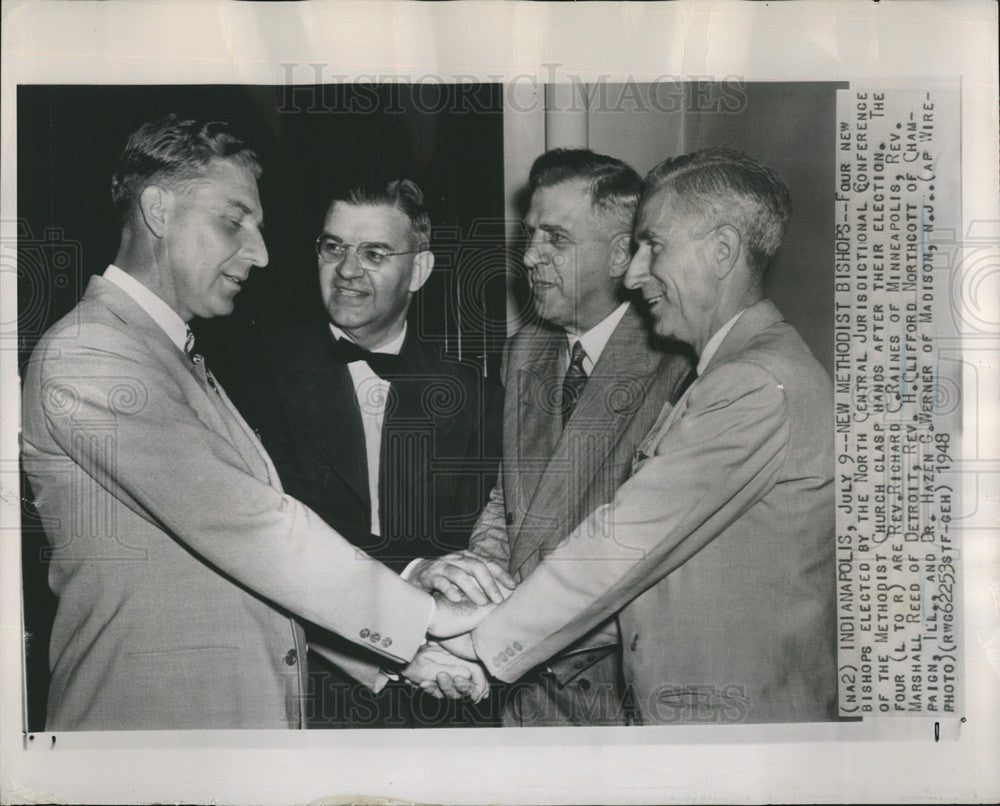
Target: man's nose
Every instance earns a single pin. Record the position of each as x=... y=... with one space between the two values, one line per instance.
x=256 y=249
x=638 y=268
x=532 y=257
x=350 y=266
x=534 y=252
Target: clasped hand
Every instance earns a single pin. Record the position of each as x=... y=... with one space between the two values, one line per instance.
x=439 y=673
x=466 y=588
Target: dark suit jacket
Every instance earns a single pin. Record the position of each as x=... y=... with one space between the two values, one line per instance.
x=440 y=442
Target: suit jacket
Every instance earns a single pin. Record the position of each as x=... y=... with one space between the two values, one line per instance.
x=717 y=554
x=181 y=567
x=553 y=477
x=439 y=451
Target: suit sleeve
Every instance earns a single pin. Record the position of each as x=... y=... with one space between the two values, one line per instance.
x=489 y=537
x=719 y=456
x=153 y=452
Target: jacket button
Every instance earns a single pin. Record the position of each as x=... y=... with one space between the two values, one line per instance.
x=374 y=638
x=635 y=642
x=364 y=633
x=291 y=657
x=509 y=517
x=386 y=642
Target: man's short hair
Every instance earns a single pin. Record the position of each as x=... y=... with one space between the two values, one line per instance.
x=174 y=152
x=615 y=187
x=719 y=187
x=403 y=194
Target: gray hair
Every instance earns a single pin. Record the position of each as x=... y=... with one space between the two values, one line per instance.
x=614 y=186
x=403 y=194
x=719 y=187
x=174 y=152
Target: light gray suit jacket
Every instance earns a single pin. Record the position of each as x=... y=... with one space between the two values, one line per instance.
x=717 y=554
x=180 y=566
x=553 y=477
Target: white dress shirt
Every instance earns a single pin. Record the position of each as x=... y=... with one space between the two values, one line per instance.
x=161 y=313
x=372 y=393
x=714 y=342
x=595 y=340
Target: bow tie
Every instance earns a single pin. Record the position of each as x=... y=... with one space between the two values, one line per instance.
x=385 y=365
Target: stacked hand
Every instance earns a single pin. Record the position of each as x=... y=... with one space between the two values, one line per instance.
x=462 y=575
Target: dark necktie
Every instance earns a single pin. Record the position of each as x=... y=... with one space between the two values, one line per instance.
x=385 y=365
x=575 y=380
x=197 y=358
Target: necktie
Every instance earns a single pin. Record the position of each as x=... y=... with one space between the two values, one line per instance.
x=385 y=365
x=575 y=380
x=197 y=358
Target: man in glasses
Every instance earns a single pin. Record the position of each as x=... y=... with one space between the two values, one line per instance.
x=392 y=444
x=184 y=572
x=583 y=385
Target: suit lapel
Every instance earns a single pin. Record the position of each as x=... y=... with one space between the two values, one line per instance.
x=321 y=396
x=408 y=437
x=617 y=386
x=754 y=319
x=212 y=407
x=536 y=424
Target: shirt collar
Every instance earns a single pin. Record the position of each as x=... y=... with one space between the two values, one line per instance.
x=714 y=343
x=392 y=348
x=596 y=339
x=161 y=313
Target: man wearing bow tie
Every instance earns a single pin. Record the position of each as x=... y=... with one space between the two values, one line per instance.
x=393 y=444
x=184 y=571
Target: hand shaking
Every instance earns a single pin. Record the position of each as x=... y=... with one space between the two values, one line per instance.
x=440 y=674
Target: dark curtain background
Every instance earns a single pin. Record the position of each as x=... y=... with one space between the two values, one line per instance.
x=312 y=141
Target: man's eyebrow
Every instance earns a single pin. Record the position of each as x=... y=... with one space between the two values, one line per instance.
x=237 y=204
x=552 y=228
x=388 y=247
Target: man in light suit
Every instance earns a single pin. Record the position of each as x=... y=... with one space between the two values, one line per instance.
x=717 y=554
x=582 y=388
x=182 y=570
x=392 y=444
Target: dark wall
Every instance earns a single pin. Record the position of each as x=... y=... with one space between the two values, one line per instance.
x=790 y=127
x=312 y=141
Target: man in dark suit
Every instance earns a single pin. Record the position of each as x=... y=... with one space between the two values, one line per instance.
x=392 y=444
x=582 y=388
x=184 y=571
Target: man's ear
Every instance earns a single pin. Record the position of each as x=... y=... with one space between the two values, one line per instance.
x=621 y=254
x=423 y=262
x=725 y=246
x=154 y=202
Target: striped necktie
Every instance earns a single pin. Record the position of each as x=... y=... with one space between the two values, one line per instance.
x=575 y=380
x=197 y=358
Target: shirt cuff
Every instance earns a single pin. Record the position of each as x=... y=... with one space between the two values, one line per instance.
x=412 y=564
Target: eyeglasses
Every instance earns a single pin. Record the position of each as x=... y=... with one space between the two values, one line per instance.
x=370 y=256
